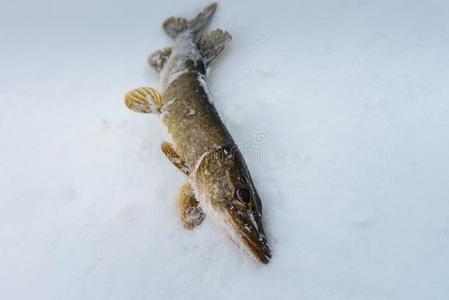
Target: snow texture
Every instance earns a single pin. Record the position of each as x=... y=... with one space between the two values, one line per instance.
x=340 y=109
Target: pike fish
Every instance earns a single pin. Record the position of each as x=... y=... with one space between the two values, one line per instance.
x=198 y=143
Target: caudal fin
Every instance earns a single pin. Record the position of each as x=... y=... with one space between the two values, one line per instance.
x=175 y=26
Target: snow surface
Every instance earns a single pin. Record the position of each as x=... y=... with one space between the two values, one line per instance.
x=340 y=107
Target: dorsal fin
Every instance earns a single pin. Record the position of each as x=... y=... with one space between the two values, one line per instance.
x=212 y=43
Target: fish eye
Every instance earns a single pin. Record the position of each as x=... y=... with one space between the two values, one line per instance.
x=242 y=194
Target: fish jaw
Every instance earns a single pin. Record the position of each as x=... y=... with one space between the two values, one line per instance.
x=248 y=235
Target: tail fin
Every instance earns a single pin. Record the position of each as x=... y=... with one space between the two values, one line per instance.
x=175 y=26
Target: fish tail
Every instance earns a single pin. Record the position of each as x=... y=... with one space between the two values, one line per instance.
x=174 y=26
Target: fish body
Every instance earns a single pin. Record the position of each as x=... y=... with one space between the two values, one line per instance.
x=198 y=143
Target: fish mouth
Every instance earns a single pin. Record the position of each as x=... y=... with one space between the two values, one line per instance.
x=259 y=248
x=254 y=241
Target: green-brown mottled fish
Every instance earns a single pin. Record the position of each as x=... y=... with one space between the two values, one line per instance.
x=198 y=143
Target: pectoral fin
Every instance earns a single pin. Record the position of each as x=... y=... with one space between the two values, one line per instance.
x=192 y=214
x=158 y=59
x=212 y=43
x=174 y=157
x=144 y=100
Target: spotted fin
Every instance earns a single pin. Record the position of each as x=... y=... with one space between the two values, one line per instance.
x=212 y=43
x=144 y=100
x=158 y=59
x=192 y=214
x=174 y=157
x=175 y=26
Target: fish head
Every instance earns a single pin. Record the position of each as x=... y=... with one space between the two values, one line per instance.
x=225 y=190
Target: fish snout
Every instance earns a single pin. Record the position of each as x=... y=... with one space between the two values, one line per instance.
x=252 y=236
x=258 y=245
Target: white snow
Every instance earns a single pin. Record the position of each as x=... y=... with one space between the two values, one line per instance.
x=340 y=108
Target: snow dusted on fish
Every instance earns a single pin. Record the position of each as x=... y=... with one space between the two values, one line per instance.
x=151 y=103
x=253 y=221
x=185 y=49
x=165 y=133
x=205 y=86
x=190 y=110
